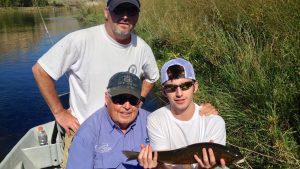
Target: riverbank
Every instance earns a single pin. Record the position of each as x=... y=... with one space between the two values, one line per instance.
x=27 y=9
x=48 y=3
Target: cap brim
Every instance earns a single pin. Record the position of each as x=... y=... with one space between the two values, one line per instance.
x=121 y=90
x=113 y=4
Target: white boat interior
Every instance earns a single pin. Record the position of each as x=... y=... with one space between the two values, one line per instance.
x=28 y=154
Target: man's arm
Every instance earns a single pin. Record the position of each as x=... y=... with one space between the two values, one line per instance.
x=47 y=88
x=146 y=88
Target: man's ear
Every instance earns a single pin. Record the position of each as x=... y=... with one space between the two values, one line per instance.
x=106 y=13
x=105 y=98
x=196 y=86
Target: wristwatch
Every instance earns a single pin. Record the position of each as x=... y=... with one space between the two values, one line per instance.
x=142 y=99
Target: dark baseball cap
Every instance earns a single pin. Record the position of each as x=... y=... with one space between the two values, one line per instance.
x=124 y=83
x=112 y=4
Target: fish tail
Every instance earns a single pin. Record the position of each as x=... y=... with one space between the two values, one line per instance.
x=131 y=155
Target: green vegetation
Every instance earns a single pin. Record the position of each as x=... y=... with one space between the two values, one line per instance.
x=22 y=3
x=91 y=14
x=246 y=56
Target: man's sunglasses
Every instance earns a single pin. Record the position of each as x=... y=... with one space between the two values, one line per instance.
x=123 y=98
x=169 y=88
x=128 y=10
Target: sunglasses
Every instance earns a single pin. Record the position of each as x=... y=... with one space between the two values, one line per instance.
x=123 y=98
x=169 y=88
x=126 y=10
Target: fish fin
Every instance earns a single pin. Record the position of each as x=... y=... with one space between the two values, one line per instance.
x=131 y=155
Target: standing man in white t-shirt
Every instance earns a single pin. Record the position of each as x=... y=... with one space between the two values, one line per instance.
x=179 y=123
x=89 y=57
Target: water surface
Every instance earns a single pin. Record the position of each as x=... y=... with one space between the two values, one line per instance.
x=23 y=40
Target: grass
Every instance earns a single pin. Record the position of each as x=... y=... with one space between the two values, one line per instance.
x=92 y=14
x=246 y=57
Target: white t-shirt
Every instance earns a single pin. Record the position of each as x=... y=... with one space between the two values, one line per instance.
x=168 y=133
x=89 y=57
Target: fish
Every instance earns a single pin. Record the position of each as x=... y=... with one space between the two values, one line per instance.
x=185 y=155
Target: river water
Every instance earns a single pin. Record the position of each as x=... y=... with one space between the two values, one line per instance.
x=23 y=40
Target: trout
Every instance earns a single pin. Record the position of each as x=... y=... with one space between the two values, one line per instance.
x=185 y=155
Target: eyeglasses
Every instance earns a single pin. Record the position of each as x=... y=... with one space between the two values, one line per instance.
x=123 y=98
x=169 y=88
x=126 y=10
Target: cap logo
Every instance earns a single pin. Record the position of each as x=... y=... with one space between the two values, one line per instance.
x=127 y=79
x=124 y=83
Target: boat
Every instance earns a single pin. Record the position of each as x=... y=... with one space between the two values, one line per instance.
x=28 y=154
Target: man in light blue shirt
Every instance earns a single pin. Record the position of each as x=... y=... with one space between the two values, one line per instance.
x=119 y=125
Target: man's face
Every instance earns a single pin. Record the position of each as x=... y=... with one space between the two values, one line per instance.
x=123 y=109
x=180 y=93
x=122 y=20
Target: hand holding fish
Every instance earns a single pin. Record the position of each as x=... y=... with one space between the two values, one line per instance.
x=146 y=158
x=208 y=159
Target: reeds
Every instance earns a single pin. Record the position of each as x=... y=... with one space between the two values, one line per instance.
x=90 y=15
x=246 y=56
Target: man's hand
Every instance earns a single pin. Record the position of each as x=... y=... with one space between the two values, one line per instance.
x=145 y=157
x=65 y=119
x=208 y=160
x=207 y=109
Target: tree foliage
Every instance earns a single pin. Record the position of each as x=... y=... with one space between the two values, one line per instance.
x=22 y=3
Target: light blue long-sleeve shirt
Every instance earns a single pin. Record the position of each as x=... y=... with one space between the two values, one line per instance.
x=99 y=142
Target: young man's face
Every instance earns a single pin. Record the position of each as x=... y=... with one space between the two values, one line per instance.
x=180 y=93
x=122 y=20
